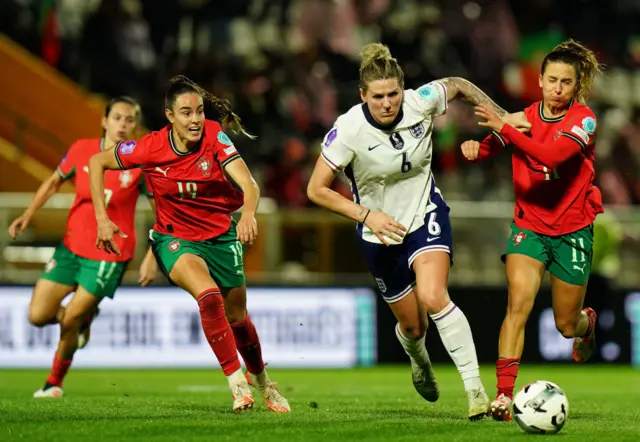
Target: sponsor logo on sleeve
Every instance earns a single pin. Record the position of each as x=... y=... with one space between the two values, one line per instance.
x=330 y=137
x=224 y=139
x=584 y=136
x=127 y=147
x=426 y=91
x=589 y=125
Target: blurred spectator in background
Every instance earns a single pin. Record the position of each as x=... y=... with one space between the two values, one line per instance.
x=287 y=66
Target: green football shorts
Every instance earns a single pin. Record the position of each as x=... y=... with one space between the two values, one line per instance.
x=100 y=278
x=223 y=255
x=567 y=257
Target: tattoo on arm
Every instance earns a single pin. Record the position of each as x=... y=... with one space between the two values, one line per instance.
x=469 y=92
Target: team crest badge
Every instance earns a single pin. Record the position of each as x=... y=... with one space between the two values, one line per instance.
x=417 y=130
x=50 y=266
x=125 y=178
x=518 y=238
x=205 y=166
x=174 y=246
x=381 y=285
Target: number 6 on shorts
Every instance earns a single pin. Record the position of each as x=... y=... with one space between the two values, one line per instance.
x=432 y=226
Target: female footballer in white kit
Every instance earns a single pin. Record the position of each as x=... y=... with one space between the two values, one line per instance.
x=384 y=147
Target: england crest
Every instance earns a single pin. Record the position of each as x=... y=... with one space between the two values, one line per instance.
x=417 y=130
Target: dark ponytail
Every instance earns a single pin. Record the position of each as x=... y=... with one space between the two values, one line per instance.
x=180 y=84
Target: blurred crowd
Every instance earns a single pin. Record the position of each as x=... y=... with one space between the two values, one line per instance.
x=290 y=67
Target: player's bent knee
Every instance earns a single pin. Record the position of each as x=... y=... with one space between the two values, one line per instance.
x=567 y=328
x=412 y=331
x=39 y=318
x=434 y=299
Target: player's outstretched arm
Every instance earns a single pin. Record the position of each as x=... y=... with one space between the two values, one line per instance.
x=551 y=155
x=48 y=187
x=475 y=152
x=106 y=229
x=247 y=229
x=465 y=90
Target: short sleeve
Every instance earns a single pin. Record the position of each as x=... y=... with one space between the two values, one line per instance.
x=67 y=167
x=131 y=154
x=144 y=187
x=335 y=150
x=580 y=126
x=432 y=98
x=224 y=150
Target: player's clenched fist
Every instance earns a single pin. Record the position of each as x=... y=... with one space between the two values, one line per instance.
x=106 y=230
x=470 y=150
x=382 y=225
x=247 y=229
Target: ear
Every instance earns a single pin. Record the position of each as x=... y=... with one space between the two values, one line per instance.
x=363 y=96
x=104 y=123
x=169 y=114
x=540 y=80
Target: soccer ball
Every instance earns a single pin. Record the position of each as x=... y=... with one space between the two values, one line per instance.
x=541 y=407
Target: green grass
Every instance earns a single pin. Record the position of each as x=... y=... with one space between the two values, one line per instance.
x=377 y=404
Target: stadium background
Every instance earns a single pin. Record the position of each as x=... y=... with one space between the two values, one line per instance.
x=289 y=68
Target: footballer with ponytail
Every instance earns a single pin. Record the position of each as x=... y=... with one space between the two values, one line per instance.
x=556 y=205
x=192 y=167
x=584 y=63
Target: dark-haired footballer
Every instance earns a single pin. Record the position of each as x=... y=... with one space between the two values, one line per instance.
x=192 y=167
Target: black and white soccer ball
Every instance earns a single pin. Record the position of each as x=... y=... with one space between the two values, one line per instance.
x=541 y=407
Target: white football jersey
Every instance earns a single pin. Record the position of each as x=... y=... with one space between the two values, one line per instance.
x=389 y=169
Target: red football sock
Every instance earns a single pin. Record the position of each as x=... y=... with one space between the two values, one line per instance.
x=248 y=344
x=217 y=330
x=507 y=372
x=58 y=371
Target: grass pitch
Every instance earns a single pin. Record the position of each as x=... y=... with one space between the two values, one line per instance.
x=368 y=404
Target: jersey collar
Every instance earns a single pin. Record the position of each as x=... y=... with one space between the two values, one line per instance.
x=372 y=121
x=551 y=120
x=182 y=154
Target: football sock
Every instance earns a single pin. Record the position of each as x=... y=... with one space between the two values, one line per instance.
x=507 y=372
x=415 y=348
x=248 y=344
x=217 y=330
x=59 y=369
x=456 y=336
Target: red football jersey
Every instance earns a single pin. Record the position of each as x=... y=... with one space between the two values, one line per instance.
x=553 y=170
x=194 y=199
x=121 y=191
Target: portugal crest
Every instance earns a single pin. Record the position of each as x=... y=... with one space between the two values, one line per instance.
x=205 y=166
x=50 y=266
x=518 y=238
x=174 y=246
x=125 y=178
x=417 y=130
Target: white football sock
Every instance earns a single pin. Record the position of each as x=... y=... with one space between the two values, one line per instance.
x=237 y=377
x=415 y=348
x=456 y=336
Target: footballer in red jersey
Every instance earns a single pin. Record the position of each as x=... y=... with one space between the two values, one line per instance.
x=77 y=265
x=556 y=205
x=193 y=169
